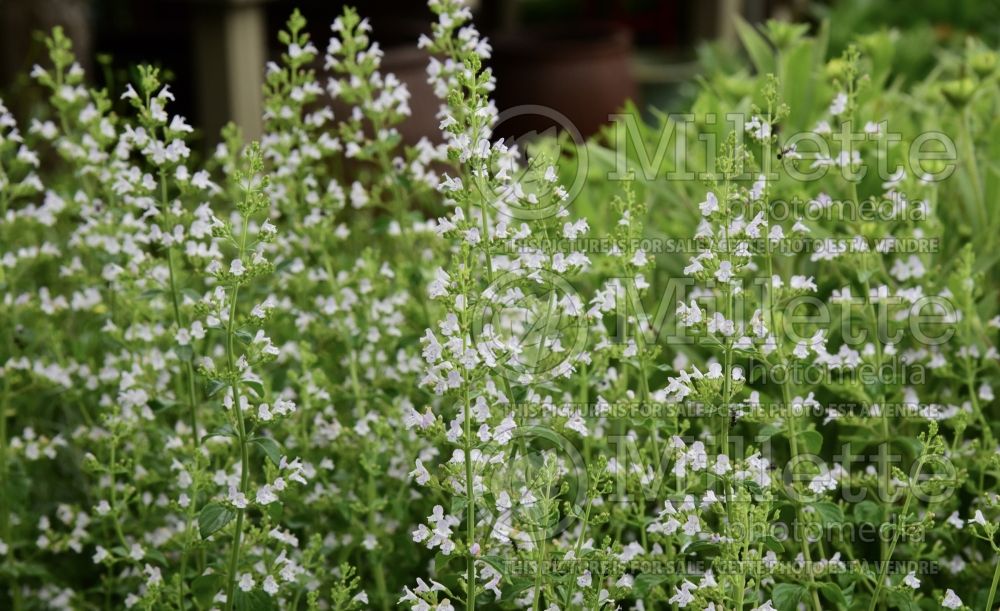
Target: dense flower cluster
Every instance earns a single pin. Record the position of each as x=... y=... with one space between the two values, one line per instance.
x=337 y=370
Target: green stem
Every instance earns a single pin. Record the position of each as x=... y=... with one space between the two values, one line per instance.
x=4 y=497
x=970 y=383
x=993 y=587
x=806 y=552
x=380 y=587
x=539 y=566
x=727 y=399
x=970 y=162
x=884 y=550
x=379 y=572
x=793 y=441
x=470 y=508
x=189 y=379
x=892 y=548
x=234 y=559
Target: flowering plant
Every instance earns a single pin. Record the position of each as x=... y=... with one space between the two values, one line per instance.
x=335 y=369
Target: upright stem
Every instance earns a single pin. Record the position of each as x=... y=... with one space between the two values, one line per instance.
x=793 y=433
x=970 y=160
x=379 y=572
x=539 y=567
x=178 y=321
x=892 y=547
x=241 y=432
x=189 y=379
x=727 y=399
x=4 y=507
x=806 y=553
x=885 y=549
x=970 y=383
x=993 y=587
x=470 y=507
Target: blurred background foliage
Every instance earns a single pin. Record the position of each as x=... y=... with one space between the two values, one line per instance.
x=584 y=58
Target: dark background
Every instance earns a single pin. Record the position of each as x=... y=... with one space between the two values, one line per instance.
x=583 y=58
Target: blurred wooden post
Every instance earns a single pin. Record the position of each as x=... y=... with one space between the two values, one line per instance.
x=230 y=39
x=716 y=19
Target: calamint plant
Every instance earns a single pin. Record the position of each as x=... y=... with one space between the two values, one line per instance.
x=340 y=369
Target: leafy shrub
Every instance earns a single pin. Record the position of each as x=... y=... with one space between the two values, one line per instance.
x=333 y=370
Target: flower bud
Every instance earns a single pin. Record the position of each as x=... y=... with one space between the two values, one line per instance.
x=983 y=63
x=959 y=92
x=836 y=69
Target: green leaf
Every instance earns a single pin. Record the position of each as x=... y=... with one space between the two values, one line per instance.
x=516 y=586
x=159 y=404
x=904 y=602
x=911 y=445
x=270 y=447
x=812 y=440
x=832 y=593
x=753 y=488
x=225 y=430
x=442 y=561
x=868 y=512
x=156 y=556
x=212 y=518
x=255 y=385
x=757 y=48
x=707 y=548
x=254 y=600
x=499 y=563
x=829 y=513
x=205 y=587
x=214 y=387
x=786 y=596
x=772 y=543
x=646 y=582
x=458 y=505
x=767 y=431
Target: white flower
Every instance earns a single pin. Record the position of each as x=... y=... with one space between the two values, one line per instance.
x=237 y=498
x=710 y=205
x=99 y=555
x=420 y=473
x=839 y=104
x=246 y=582
x=951 y=600
x=911 y=580
x=684 y=595
x=626 y=581
x=270 y=585
x=266 y=495
x=986 y=392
